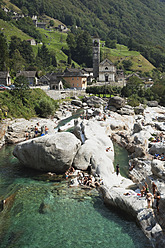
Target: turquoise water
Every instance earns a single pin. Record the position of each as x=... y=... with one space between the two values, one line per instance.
x=121 y=158
x=44 y=212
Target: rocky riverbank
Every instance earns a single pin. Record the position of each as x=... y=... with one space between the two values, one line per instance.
x=103 y=122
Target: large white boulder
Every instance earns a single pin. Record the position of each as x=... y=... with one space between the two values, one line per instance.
x=53 y=153
x=158 y=168
x=157 y=147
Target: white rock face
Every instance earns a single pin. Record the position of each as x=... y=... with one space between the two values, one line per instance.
x=158 y=147
x=53 y=153
x=158 y=168
x=93 y=152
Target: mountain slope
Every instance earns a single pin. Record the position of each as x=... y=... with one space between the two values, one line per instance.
x=143 y=20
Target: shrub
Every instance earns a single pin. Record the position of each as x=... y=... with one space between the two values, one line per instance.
x=45 y=108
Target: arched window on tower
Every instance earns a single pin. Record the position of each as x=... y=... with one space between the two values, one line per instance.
x=106 y=68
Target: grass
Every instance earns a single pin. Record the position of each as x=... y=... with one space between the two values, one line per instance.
x=9 y=5
x=55 y=41
x=25 y=107
x=10 y=30
x=122 y=53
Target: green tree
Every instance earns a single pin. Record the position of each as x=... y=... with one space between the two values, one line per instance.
x=17 y=62
x=4 y=55
x=21 y=88
x=51 y=22
x=45 y=108
x=69 y=59
x=127 y=64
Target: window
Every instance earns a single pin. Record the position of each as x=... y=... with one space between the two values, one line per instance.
x=77 y=78
x=106 y=68
x=72 y=78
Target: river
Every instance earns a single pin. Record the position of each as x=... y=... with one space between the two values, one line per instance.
x=44 y=212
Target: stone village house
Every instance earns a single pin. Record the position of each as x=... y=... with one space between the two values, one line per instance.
x=5 y=78
x=75 y=77
x=31 y=76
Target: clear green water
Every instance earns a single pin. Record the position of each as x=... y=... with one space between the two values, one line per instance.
x=121 y=158
x=49 y=214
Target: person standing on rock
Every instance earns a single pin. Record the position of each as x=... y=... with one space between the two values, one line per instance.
x=117 y=169
x=154 y=188
x=149 y=199
x=157 y=197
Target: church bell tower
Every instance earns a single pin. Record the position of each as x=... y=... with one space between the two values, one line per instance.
x=96 y=57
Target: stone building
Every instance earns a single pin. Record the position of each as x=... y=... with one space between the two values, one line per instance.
x=76 y=78
x=5 y=78
x=96 y=57
x=31 y=76
x=107 y=71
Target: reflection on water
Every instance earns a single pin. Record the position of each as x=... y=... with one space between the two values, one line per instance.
x=46 y=213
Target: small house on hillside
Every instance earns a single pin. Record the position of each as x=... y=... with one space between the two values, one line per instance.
x=148 y=84
x=5 y=78
x=62 y=28
x=75 y=77
x=30 y=75
x=32 y=42
x=107 y=71
x=41 y=25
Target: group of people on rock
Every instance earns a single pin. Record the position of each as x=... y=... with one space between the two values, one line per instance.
x=150 y=197
x=159 y=156
x=159 y=138
x=69 y=172
x=37 y=132
x=84 y=179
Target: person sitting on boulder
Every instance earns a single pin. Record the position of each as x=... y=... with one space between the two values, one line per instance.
x=156 y=156
x=35 y=131
x=46 y=130
x=162 y=157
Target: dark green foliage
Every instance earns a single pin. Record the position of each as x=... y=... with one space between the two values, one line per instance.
x=23 y=47
x=127 y=64
x=110 y=43
x=53 y=60
x=80 y=46
x=17 y=106
x=27 y=26
x=143 y=21
x=103 y=90
x=4 y=56
x=45 y=107
x=69 y=59
x=51 y=22
x=44 y=55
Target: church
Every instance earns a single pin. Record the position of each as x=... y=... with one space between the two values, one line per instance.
x=105 y=71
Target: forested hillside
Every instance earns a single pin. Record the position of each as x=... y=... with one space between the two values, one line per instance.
x=142 y=20
x=138 y=24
